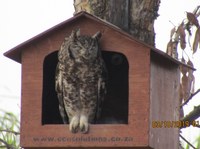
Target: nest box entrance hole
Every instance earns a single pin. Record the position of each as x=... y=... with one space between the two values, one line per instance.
x=115 y=106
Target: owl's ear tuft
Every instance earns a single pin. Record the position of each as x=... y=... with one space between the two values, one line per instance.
x=72 y=36
x=75 y=34
x=78 y=32
x=97 y=36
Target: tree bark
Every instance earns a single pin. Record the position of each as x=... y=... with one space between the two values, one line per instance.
x=133 y=16
x=192 y=116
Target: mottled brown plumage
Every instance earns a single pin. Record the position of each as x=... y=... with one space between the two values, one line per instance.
x=80 y=80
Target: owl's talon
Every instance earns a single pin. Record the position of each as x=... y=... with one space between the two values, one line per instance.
x=74 y=130
x=74 y=125
x=84 y=126
x=84 y=129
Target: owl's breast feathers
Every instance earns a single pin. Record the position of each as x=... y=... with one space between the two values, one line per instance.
x=80 y=85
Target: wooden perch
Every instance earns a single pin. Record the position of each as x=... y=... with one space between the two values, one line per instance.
x=192 y=116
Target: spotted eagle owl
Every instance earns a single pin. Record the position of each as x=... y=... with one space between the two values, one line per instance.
x=80 y=80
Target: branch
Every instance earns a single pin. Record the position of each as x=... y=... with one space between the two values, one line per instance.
x=8 y=146
x=192 y=115
x=187 y=142
x=9 y=131
x=191 y=96
x=195 y=12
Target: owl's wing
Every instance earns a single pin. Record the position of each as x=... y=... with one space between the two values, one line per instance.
x=102 y=81
x=58 y=79
x=59 y=89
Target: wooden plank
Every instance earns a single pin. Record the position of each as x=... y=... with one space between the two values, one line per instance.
x=135 y=133
x=164 y=103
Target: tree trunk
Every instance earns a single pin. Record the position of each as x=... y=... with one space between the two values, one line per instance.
x=133 y=16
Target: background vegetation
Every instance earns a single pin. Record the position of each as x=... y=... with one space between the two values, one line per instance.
x=9 y=130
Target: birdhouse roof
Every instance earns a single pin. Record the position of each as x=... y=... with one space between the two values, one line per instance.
x=15 y=53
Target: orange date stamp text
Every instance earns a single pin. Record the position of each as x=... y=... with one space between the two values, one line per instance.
x=174 y=124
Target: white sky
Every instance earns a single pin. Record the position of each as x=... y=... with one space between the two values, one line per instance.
x=23 y=19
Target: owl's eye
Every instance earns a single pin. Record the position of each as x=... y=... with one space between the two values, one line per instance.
x=74 y=46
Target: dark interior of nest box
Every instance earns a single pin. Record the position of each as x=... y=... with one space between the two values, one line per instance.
x=115 y=106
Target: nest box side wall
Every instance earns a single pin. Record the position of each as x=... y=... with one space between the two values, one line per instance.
x=139 y=81
x=164 y=103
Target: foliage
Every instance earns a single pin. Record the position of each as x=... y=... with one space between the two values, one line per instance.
x=197 y=146
x=9 y=130
x=186 y=36
x=198 y=142
x=178 y=34
x=178 y=39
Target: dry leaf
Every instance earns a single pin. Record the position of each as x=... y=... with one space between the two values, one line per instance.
x=169 y=48
x=183 y=69
x=181 y=32
x=188 y=82
x=196 y=40
x=173 y=30
x=183 y=44
x=192 y=19
x=186 y=91
x=191 y=78
x=176 y=37
x=191 y=81
x=172 y=49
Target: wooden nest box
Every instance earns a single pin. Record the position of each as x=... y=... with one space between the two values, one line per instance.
x=143 y=88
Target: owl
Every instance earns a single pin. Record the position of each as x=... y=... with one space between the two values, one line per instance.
x=80 y=80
